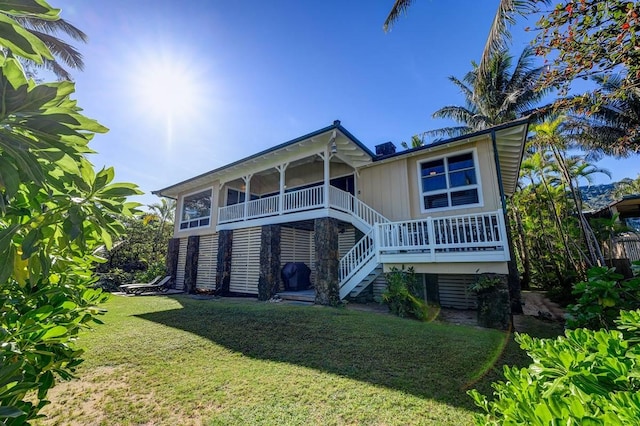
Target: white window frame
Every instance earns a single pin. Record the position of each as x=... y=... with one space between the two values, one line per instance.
x=180 y=229
x=448 y=190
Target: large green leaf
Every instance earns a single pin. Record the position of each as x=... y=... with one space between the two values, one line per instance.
x=29 y=7
x=21 y=42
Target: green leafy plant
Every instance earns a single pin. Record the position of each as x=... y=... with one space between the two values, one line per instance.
x=585 y=377
x=400 y=294
x=55 y=211
x=601 y=298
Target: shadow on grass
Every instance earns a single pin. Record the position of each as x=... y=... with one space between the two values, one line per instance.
x=430 y=360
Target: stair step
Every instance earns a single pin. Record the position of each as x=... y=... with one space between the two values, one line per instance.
x=299 y=296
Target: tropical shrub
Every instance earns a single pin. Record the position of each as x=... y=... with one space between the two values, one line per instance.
x=601 y=298
x=585 y=377
x=401 y=294
x=55 y=211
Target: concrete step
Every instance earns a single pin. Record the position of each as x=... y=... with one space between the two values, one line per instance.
x=300 y=296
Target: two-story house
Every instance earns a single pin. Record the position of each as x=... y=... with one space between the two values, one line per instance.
x=350 y=214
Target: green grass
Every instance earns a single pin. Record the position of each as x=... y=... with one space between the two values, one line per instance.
x=176 y=360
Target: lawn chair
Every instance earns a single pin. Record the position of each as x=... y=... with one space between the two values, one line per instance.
x=138 y=289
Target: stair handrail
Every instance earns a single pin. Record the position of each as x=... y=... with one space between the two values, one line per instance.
x=357 y=208
x=355 y=258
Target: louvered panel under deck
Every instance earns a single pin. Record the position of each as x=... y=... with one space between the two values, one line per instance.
x=245 y=261
x=454 y=291
x=182 y=262
x=207 y=262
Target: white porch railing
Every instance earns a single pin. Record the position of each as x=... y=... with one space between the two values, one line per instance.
x=470 y=232
x=357 y=256
x=303 y=199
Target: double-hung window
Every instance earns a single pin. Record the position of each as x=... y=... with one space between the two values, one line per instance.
x=196 y=210
x=449 y=182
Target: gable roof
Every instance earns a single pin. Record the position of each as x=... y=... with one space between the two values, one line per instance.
x=508 y=138
x=352 y=151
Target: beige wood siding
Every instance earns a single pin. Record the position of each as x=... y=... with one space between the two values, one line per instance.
x=182 y=262
x=245 y=261
x=487 y=173
x=384 y=188
x=454 y=291
x=207 y=262
x=392 y=187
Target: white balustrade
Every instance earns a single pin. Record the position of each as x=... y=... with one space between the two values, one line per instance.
x=304 y=199
x=357 y=256
x=267 y=206
x=231 y=213
x=470 y=232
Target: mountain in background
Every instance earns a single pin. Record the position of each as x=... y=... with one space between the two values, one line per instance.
x=596 y=197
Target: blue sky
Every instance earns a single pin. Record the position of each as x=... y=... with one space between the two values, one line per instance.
x=188 y=86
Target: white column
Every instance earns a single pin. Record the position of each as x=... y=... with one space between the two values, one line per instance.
x=247 y=194
x=281 y=168
x=327 y=160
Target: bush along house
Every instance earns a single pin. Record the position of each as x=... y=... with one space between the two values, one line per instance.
x=326 y=201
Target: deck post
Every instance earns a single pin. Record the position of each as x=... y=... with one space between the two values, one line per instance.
x=247 y=194
x=327 y=177
x=223 y=261
x=327 y=261
x=282 y=168
x=432 y=238
x=173 y=251
x=269 y=280
x=191 y=265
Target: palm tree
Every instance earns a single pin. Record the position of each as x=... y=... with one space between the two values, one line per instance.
x=500 y=96
x=416 y=142
x=550 y=136
x=163 y=212
x=498 y=33
x=46 y=30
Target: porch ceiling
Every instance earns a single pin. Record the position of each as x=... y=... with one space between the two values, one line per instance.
x=296 y=151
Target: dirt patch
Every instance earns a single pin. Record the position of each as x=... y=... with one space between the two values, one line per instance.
x=536 y=304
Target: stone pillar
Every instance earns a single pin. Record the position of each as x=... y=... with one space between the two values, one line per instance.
x=191 y=266
x=514 y=276
x=327 y=261
x=269 y=282
x=223 y=266
x=173 y=251
x=494 y=310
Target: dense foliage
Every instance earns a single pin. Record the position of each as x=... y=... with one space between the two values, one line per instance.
x=585 y=377
x=55 y=210
x=401 y=294
x=601 y=298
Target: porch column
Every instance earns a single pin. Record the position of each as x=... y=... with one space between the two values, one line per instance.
x=191 y=266
x=269 y=281
x=327 y=160
x=173 y=252
x=327 y=261
x=281 y=168
x=223 y=261
x=247 y=194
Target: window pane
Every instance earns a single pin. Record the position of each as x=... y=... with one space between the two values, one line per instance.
x=436 y=201
x=462 y=178
x=184 y=225
x=460 y=198
x=432 y=168
x=463 y=161
x=196 y=205
x=433 y=183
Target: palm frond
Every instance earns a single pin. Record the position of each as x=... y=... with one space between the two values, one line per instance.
x=53 y=27
x=450 y=132
x=399 y=7
x=62 y=50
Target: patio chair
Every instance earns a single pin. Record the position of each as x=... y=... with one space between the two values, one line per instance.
x=138 y=289
x=153 y=281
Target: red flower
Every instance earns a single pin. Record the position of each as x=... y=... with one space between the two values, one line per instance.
x=625 y=26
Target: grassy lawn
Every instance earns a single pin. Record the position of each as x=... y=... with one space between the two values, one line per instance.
x=176 y=360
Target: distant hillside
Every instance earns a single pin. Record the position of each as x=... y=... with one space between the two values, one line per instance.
x=596 y=197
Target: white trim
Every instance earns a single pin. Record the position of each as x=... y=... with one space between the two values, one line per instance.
x=181 y=208
x=448 y=190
